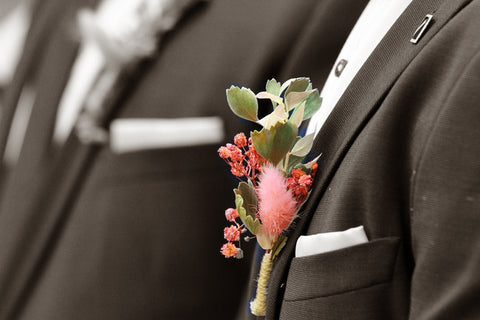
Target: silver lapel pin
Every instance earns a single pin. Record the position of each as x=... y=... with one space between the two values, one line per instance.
x=421 y=29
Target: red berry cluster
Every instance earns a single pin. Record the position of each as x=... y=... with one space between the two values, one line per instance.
x=232 y=234
x=300 y=183
x=242 y=157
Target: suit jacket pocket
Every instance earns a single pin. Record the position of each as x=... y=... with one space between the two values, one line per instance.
x=131 y=135
x=151 y=164
x=343 y=270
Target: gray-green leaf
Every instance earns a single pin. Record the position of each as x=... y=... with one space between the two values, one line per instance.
x=243 y=103
x=303 y=146
x=313 y=103
x=273 y=144
x=250 y=222
x=296 y=85
x=295 y=98
x=249 y=196
x=273 y=86
x=298 y=115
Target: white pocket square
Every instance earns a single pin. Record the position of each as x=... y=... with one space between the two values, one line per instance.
x=329 y=241
x=129 y=135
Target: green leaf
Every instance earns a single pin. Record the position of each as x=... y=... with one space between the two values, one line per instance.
x=273 y=144
x=273 y=86
x=296 y=85
x=312 y=105
x=307 y=167
x=293 y=99
x=243 y=103
x=247 y=191
x=264 y=239
x=250 y=222
x=303 y=146
x=278 y=115
x=293 y=161
x=297 y=115
x=272 y=97
x=278 y=246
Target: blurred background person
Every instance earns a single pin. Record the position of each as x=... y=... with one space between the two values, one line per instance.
x=113 y=203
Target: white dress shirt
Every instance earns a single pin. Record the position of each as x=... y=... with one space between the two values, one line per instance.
x=85 y=72
x=371 y=27
x=13 y=31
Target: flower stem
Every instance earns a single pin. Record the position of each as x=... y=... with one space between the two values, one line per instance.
x=258 y=305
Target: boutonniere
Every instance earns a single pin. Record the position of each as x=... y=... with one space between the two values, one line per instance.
x=129 y=30
x=125 y=32
x=274 y=180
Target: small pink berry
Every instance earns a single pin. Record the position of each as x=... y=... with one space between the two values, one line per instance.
x=232 y=233
x=297 y=173
x=229 y=250
x=224 y=153
x=306 y=180
x=236 y=155
x=300 y=192
x=291 y=183
x=231 y=214
x=236 y=169
x=240 y=140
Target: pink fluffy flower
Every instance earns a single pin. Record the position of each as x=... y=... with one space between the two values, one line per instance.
x=277 y=205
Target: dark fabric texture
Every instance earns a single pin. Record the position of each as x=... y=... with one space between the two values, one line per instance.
x=399 y=156
x=88 y=234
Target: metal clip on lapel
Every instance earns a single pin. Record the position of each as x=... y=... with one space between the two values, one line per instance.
x=421 y=29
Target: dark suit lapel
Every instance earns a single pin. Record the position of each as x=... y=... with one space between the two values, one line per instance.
x=354 y=110
x=322 y=39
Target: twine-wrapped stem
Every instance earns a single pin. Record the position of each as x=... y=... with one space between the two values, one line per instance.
x=259 y=304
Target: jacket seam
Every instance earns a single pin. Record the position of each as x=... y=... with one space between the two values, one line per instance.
x=340 y=293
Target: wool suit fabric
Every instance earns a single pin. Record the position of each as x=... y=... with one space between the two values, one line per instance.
x=400 y=157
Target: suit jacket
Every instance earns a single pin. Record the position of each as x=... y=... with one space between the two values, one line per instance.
x=399 y=156
x=89 y=234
